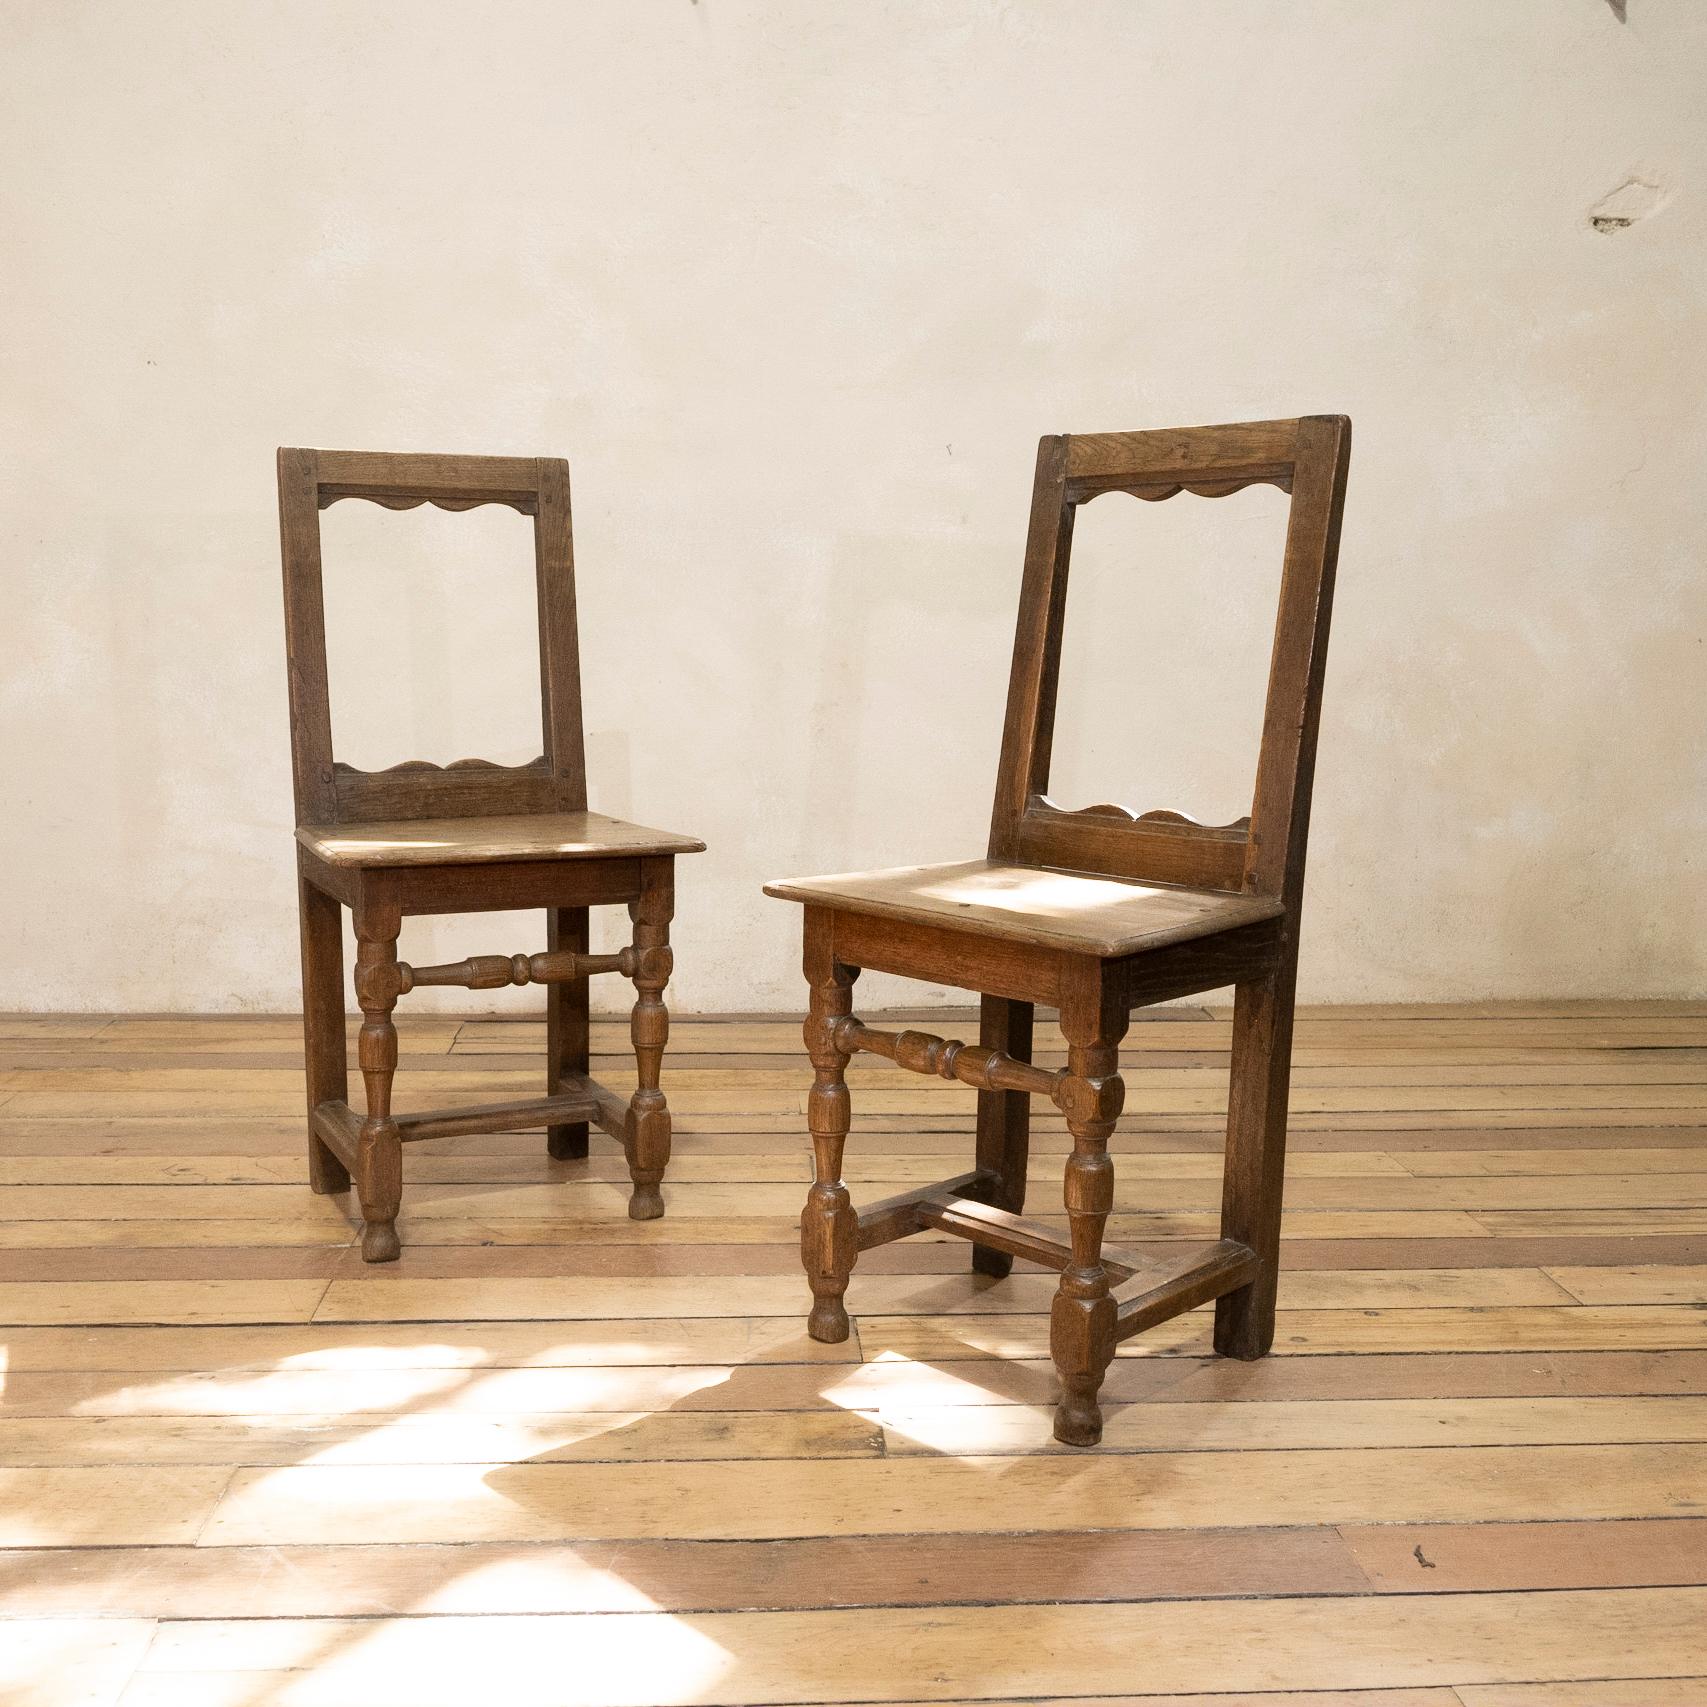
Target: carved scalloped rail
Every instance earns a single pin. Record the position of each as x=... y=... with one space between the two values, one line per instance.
x=465 y=788
x=1152 y=491
x=1158 y=846
x=416 y=767
x=1160 y=815
x=406 y=501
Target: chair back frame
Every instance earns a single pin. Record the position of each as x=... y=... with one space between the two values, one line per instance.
x=1261 y=854
x=330 y=792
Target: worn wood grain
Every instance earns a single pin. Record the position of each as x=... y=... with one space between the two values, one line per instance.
x=969 y=1652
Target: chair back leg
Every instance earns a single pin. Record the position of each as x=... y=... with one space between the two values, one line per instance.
x=1256 y=1154
x=1004 y=1122
x=323 y=1047
x=567 y=1027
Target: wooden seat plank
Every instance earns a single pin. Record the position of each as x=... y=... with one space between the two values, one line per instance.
x=1054 y=909
x=484 y=840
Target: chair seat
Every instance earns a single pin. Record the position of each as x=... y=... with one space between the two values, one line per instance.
x=1104 y=916
x=468 y=841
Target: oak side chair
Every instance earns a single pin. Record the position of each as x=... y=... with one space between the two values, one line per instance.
x=1095 y=912
x=469 y=837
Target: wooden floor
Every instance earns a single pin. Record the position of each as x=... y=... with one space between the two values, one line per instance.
x=556 y=1456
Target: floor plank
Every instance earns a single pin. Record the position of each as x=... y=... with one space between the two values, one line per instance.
x=968 y=1495
x=975 y=1653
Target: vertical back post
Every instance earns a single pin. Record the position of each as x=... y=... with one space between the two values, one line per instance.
x=559 y=644
x=1286 y=763
x=1028 y=733
x=305 y=637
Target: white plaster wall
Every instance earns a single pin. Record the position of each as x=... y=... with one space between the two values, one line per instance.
x=796 y=287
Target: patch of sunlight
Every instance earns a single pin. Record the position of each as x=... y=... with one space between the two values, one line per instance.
x=974 y=1431
x=385 y=1357
x=543 y=1580
x=634 y=1661
x=440 y=1488
x=938 y=1409
x=361 y=845
x=941 y=1410
x=593 y=1389
x=892 y=1379
x=272 y=1392
x=48 y=1662
x=615 y=1351
x=444 y=1438
x=1052 y=893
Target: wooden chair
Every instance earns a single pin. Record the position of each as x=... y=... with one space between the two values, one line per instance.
x=468 y=837
x=1095 y=912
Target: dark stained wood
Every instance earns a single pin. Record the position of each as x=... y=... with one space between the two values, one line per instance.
x=467 y=837
x=324 y=1046
x=646 y=1134
x=972 y=1064
x=379 y=1145
x=1096 y=912
x=829 y=1229
x=490 y=886
x=998 y=1229
x=912 y=1211
x=1256 y=1158
x=1121 y=844
x=1191 y=1280
x=568 y=1027
x=493 y=838
x=1004 y=1123
x=1069 y=910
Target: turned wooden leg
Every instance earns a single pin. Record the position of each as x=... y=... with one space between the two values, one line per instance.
x=567 y=1027
x=379 y=1149
x=647 y=1138
x=1004 y=1122
x=1256 y=1156
x=1082 y=1320
x=323 y=1046
x=829 y=1229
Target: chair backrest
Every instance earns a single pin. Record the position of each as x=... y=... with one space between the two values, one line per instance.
x=1263 y=853
x=328 y=792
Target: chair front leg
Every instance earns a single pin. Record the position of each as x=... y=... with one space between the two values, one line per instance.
x=829 y=1229
x=1082 y=1319
x=646 y=1138
x=379 y=1147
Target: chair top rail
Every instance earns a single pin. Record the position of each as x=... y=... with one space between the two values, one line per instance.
x=1249 y=450
x=405 y=479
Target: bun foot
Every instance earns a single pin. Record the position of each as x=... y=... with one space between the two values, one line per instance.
x=828 y=1322
x=646 y=1203
x=380 y=1242
x=1078 y=1422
